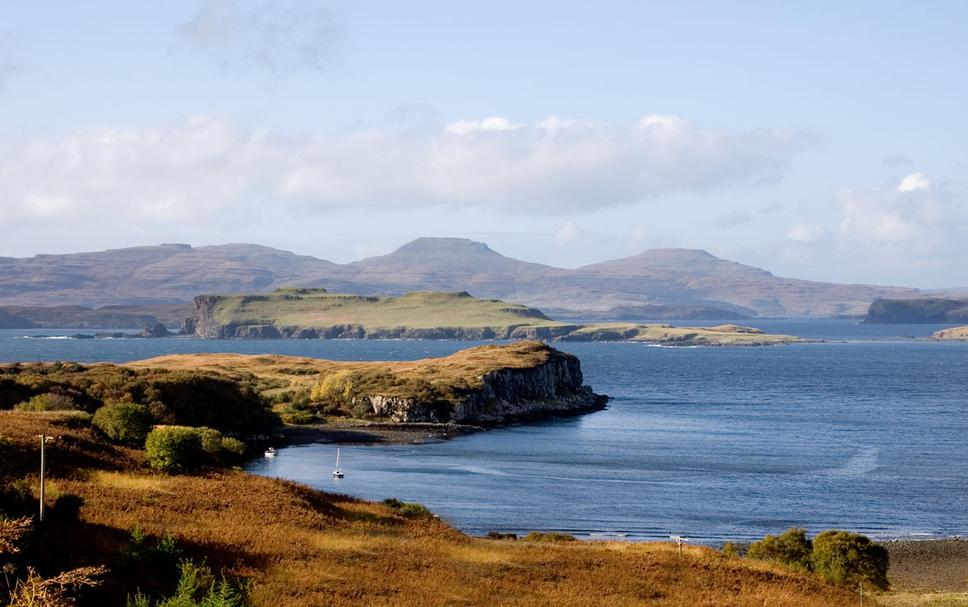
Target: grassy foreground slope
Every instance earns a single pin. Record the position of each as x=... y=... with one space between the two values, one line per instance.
x=300 y=547
x=315 y=313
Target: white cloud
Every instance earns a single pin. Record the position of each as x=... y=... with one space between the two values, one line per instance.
x=206 y=168
x=906 y=213
x=276 y=37
x=912 y=232
x=914 y=182
x=568 y=234
x=804 y=233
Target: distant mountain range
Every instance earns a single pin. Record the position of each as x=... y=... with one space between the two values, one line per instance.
x=655 y=283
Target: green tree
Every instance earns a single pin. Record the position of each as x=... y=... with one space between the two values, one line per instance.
x=336 y=388
x=174 y=449
x=850 y=558
x=790 y=548
x=124 y=422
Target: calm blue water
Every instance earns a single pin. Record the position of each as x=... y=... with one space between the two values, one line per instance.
x=865 y=432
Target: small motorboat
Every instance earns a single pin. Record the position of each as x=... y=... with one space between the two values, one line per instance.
x=271 y=452
x=338 y=472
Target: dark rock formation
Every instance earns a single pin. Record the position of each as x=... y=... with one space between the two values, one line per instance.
x=924 y=310
x=554 y=387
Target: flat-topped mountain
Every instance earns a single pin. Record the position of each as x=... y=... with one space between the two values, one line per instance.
x=692 y=280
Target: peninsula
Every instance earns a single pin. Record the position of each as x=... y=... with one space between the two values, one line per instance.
x=318 y=314
x=486 y=385
x=952 y=334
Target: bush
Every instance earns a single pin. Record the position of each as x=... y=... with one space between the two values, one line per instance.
x=234 y=447
x=335 y=389
x=731 y=550
x=48 y=402
x=197 y=587
x=790 y=548
x=211 y=440
x=550 y=536
x=850 y=559
x=407 y=509
x=174 y=449
x=124 y=422
x=67 y=506
x=297 y=416
x=497 y=535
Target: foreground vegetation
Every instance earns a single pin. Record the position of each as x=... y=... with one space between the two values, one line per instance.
x=282 y=544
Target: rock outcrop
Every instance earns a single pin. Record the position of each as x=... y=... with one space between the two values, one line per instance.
x=554 y=387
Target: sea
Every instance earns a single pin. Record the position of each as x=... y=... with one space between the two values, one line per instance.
x=865 y=428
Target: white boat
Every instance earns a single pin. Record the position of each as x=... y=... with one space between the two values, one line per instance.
x=271 y=452
x=338 y=472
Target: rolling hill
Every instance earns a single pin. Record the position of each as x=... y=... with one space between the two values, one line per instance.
x=661 y=279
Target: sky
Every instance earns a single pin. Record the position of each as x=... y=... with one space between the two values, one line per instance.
x=821 y=140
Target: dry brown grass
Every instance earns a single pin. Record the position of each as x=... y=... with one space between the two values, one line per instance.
x=465 y=368
x=301 y=547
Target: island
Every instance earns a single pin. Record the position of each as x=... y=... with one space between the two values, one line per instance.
x=317 y=314
x=952 y=334
x=916 y=311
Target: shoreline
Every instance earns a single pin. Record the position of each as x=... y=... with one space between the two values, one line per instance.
x=372 y=433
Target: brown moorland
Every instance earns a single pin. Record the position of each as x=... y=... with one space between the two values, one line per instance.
x=301 y=547
x=275 y=374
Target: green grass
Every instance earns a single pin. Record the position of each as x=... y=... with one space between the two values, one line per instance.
x=316 y=308
x=722 y=335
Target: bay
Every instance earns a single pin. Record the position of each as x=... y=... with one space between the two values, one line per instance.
x=865 y=431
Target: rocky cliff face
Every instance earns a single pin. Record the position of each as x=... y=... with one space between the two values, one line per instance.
x=924 y=310
x=554 y=387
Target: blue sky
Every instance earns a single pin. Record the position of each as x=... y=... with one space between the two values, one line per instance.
x=821 y=141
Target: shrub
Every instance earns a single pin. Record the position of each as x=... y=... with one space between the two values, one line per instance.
x=407 y=509
x=497 y=535
x=849 y=558
x=48 y=402
x=197 y=587
x=124 y=422
x=211 y=440
x=234 y=447
x=550 y=536
x=336 y=389
x=730 y=550
x=174 y=449
x=67 y=506
x=790 y=548
x=297 y=416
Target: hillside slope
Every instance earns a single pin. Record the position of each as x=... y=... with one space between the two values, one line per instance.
x=298 y=547
x=666 y=277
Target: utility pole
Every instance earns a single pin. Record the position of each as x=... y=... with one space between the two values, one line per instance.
x=44 y=439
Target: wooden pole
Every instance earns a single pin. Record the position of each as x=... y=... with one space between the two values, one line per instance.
x=43 y=466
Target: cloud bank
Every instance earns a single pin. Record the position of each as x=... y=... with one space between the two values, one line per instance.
x=207 y=167
x=914 y=227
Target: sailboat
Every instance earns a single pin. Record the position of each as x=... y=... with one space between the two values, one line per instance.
x=338 y=472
